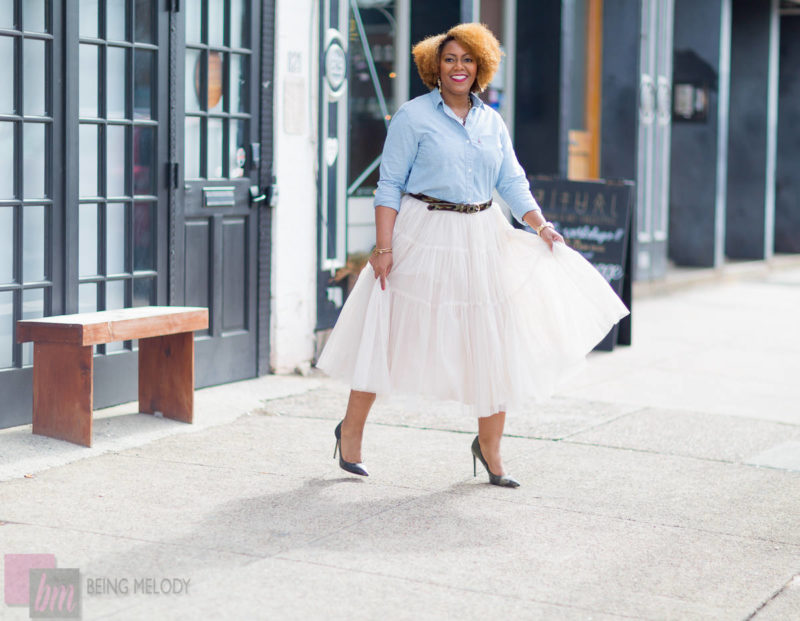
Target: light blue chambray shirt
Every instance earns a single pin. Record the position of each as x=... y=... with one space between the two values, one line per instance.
x=428 y=151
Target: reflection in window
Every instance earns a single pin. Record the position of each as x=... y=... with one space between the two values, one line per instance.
x=6 y=160
x=144 y=236
x=192 y=77
x=33 y=15
x=7 y=14
x=144 y=143
x=34 y=234
x=192 y=147
x=33 y=152
x=88 y=58
x=33 y=67
x=216 y=22
x=32 y=308
x=7 y=94
x=116 y=83
x=115 y=298
x=144 y=21
x=87 y=160
x=143 y=73
x=367 y=123
x=115 y=160
x=87 y=240
x=115 y=20
x=143 y=291
x=115 y=238
x=89 y=18
x=239 y=23
x=214 y=159
x=193 y=21
x=214 y=78
x=87 y=297
x=237 y=151
x=238 y=101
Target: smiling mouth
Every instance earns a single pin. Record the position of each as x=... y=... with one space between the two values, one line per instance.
x=458 y=78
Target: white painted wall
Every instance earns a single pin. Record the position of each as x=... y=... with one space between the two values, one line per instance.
x=294 y=254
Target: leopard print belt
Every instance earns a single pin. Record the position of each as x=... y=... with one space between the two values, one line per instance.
x=434 y=204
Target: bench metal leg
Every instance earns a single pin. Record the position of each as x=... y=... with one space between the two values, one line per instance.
x=62 y=392
x=166 y=376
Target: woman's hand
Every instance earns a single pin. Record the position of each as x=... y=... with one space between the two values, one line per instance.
x=551 y=236
x=381 y=265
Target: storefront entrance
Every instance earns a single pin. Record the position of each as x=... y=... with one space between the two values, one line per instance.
x=137 y=183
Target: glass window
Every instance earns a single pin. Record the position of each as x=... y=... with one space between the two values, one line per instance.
x=143 y=74
x=7 y=14
x=214 y=159
x=88 y=58
x=193 y=21
x=144 y=143
x=6 y=329
x=239 y=24
x=115 y=20
x=33 y=68
x=6 y=245
x=6 y=160
x=87 y=240
x=237 y=152
x=216 y=22
x=7 y=76
x=32 y=308
x=143 y=291
x=34 y=234
x=367 y=122
x=33 y=15
x=238 y=91
x=115 y=160
x=192 y=90
x=144 y=236
x=87 y=297
x=191 y=147
x=115 y=238
x=116 y=85
x=87 y=160
x=33 y=160
x=89 y=18
x=144 y=21
x=215 y=81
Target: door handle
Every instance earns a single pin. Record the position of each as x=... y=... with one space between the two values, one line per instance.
x=256 y=195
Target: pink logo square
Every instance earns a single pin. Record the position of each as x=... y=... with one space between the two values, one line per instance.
x=17 y=574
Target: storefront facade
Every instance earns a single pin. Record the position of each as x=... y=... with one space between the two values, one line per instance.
x=135 y=144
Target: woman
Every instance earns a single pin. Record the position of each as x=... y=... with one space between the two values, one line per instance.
x=455 y=303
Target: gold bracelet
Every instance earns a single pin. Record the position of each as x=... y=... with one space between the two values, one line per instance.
x=543 y=226
x=381 y=250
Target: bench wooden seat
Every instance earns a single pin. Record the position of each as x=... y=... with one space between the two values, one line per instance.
x=63 y=364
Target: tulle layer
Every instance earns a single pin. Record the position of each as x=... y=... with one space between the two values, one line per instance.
x=474 y=311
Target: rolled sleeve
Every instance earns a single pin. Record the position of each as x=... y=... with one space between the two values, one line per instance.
x=399 y=152
x=512 y=184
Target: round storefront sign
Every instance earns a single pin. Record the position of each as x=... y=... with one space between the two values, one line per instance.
x=335 y=65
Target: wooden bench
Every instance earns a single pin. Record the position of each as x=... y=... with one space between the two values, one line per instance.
x=63 y=364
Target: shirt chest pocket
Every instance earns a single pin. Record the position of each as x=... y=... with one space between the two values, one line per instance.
x=491 y=150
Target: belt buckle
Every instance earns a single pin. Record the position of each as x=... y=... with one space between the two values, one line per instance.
x=472 y=208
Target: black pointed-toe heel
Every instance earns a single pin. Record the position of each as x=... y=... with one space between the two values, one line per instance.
x=351 y=466
x=501 y=480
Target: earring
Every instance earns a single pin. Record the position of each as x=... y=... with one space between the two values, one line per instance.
x=439 y=84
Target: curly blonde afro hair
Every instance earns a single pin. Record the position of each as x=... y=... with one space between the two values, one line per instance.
x=476 y=38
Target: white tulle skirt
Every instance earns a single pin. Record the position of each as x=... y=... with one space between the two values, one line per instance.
x=474 y=311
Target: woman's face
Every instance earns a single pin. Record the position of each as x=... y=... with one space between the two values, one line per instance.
x=457 y=69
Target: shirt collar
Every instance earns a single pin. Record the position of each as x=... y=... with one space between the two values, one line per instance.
x=477 y=102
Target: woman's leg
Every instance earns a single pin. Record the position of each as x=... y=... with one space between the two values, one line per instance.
x=353 y=426
x=490 y=431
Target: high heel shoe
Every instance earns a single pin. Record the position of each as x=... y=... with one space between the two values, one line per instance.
x=350 y=466
x=502 y=480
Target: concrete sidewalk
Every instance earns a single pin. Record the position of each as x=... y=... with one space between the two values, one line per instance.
x=663 y=484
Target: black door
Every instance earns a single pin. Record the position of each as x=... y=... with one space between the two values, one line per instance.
x=216 y=220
